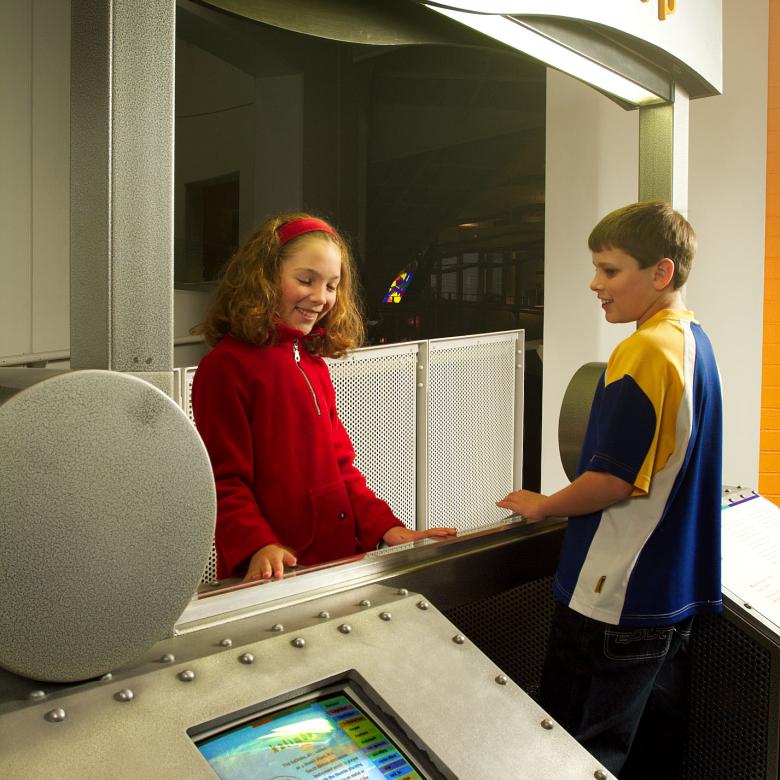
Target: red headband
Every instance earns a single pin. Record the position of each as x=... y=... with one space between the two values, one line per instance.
x=304 y=225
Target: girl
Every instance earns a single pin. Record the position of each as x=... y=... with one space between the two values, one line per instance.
x=264 y=404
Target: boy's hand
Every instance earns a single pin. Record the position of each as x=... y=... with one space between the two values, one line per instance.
x=526 y=503
x=270 y=561
x=400 y=535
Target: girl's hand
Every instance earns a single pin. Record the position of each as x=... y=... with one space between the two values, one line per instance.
x=270 y=561
x=400 y=535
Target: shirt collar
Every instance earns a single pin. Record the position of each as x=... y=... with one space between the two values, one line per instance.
x=669 y=314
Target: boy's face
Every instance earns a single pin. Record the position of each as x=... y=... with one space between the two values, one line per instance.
x=627 y=292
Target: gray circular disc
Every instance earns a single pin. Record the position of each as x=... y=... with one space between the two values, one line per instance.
x=107 y=510
x=575 y=412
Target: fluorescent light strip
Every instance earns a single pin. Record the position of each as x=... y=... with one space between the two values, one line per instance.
x=554 y=54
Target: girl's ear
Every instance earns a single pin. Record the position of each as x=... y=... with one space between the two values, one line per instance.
x=663 y=274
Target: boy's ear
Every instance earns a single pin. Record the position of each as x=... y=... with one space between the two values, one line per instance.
x=663 y=274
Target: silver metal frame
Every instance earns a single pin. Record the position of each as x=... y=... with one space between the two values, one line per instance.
x=225 y=604
x=122 y=86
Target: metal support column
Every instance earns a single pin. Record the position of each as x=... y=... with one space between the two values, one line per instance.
x=122 y=121
x=663 y=152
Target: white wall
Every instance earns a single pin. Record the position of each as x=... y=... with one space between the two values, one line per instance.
x=727 y=206
x=592 y=168
x=34 y=185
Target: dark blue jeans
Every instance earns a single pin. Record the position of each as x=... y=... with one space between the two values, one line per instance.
x=598 y=678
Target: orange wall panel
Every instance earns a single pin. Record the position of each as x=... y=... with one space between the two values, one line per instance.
x=769 y=457
x=770 y=441
x=770 y=398
x=772 y=287
x=770 y=485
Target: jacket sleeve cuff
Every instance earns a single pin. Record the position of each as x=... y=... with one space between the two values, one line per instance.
x=371 y=531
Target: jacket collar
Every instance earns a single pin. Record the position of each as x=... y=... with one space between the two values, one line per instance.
x=284 y=333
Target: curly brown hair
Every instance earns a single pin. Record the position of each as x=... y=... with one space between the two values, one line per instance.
x=248 y=293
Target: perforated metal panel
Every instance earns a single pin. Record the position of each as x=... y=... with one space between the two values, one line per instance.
x=731 y=707
x=186 y=376
x=474 y=403
x=734 y=698
x=177 y=386
x=375 y=395
x=511 y=628
x=436 y=425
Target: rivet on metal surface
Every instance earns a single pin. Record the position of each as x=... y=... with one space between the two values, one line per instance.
x=546 y=724
x=226 y=642
x=345 y=628
x=402 y=592
x=56 y=715
x=298 y=642
x=124 y=695
x=502 y=679
x=386 y=615
x=186 y=676
x=107 y=676
x=246 y=658
x=168 y=658
x=600 y=774
x=36 y=695
x=277 y=627
x=459 y=639
x=423 y=604
x=365 y=603
x=324 y=614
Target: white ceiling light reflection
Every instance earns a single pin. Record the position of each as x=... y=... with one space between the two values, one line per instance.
x=514 y=34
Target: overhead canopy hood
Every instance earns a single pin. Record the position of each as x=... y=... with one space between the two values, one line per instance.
x=647 y=41
x=621 y=47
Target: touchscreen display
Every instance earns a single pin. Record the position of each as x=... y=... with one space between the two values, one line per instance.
x=327 y=738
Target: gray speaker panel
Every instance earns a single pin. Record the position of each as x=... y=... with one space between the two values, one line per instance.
x=107 y=516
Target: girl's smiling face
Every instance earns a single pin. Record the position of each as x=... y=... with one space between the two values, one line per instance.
x=309 y=279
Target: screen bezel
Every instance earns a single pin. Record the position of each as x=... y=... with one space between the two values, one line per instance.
x=352 y=685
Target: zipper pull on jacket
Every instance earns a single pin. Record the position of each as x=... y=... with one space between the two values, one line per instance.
x=297 y=356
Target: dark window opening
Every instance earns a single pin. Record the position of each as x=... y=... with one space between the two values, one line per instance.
x=429 y=158
x=210 y=226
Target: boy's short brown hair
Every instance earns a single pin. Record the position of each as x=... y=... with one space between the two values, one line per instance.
x=648 y=231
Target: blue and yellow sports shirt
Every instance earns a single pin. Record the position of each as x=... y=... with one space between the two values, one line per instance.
x=656 y=422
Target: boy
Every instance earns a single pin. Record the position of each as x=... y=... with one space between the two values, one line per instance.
x=641 y=554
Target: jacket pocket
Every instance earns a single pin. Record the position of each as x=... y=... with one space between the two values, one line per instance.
x=333 y=524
